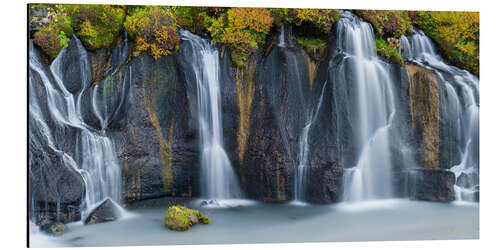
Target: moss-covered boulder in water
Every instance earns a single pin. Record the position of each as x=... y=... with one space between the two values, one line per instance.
x=204 y=220
x=56 y=228
x=180 y=218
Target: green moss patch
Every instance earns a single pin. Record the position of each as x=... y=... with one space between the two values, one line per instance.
x=97 y=26
x=313 y=46
x=389 y=52
x=180 y=218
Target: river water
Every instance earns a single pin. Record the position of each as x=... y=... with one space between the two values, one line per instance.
x=255 y=222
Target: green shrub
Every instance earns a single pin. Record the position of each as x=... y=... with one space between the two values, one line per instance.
x=313 y=46
x=97 y=26
x=55 y=36
x=322 y=19
x=154 y=29
x=190 y=18
x=387 y=51
x=239 y=58
x=308 y=22
x=242 y=29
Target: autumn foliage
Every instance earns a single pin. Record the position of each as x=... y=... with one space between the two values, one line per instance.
x=456 y=34
x=154 y=29
x=244 y=30
x=388 y=23
x=97 y=26
x=55 y=36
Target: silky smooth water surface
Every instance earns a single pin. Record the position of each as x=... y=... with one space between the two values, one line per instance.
x=394 y=219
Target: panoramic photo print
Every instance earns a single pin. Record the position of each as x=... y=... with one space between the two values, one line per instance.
x=175 y=125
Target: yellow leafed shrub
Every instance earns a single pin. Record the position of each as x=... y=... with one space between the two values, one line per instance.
x=154 y=29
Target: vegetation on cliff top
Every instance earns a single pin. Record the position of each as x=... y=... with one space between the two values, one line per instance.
x=316 y=20
x=55 y=36
x=388 y=26
x=180 y=218
x=389 y=49
x=244 y=30
x=455 y=33
x=312 y=27
x=154 y=29
x=97 y=26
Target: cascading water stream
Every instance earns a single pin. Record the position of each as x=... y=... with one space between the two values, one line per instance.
x=301 y=172
x=371 y=178
x=462 y=90
x=282 y=42
x=94 y=158
x=218 y=178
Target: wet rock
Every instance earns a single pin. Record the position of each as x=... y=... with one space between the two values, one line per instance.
x=155 y=135
x=73 y=68
x=424 y=114
x=476 y=196
x=400 y=183
x=324 y=184
x=105 y=212
x=476 y=193
x=204 y=220
x=55 y=188
x=180 y=218
x=465 y=180
x=55 y=229
x=431 y=185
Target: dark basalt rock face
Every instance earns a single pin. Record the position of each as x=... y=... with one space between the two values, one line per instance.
x=467 y=180
x=105 y=212
x=431 y=185
x=278 y=114
x=74 y=76
x=325 y=184
x=155 y=137
x=476 y=193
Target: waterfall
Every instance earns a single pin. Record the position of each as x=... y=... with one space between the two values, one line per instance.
x=372 y=86
x=218 y=178
x=282 y=42
x=94 y=157
x=462 y=90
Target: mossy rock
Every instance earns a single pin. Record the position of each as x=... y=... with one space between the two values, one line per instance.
x=55 y=229
x=180 y=218
x=205 y=220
